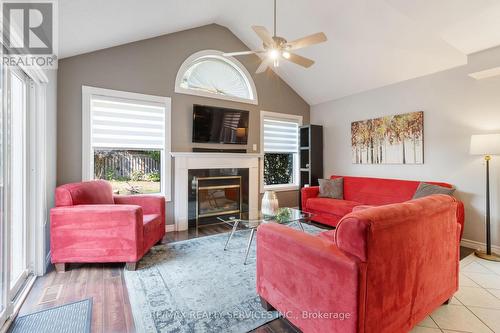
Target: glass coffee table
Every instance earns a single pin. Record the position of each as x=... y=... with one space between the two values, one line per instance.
x=252 y=220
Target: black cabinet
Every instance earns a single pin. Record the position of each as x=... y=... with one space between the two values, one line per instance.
x=310 y=155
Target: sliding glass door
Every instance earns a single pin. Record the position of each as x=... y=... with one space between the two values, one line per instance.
x=15 y=238
x=3 y=158
x=18 y=85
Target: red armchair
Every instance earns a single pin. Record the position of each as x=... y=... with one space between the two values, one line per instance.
x=384 y=269
x=89 y=224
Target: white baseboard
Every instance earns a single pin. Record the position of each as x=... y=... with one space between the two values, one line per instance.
x=170 y=227
x=478 y=245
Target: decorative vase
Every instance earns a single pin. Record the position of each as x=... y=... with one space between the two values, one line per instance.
x=270 y=204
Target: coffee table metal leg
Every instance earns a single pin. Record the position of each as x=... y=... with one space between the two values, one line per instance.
x=248 y=245
x=235 y=226
x=300 y=225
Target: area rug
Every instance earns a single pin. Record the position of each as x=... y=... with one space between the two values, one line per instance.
x=196 y=286
x=68 y=318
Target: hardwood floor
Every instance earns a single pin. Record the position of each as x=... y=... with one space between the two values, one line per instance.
x=104 y=283
x=111 y=311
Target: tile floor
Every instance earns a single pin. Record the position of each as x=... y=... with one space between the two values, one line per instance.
x=475 y=307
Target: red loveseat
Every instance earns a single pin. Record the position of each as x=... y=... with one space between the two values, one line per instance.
x=362 y=191
x=383 y=270
x=90 y=225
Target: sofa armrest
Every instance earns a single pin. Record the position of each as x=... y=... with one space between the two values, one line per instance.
x=151 y=204
x=77 y=231
x=302 y=276
x=307 y=193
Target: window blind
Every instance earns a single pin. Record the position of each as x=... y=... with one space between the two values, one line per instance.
x=123 y=123
x=217 y=76
x=280 y=136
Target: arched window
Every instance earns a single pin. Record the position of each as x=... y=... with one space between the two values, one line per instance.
x=209 y=74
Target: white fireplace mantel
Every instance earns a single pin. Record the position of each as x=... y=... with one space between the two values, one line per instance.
x=185 y=161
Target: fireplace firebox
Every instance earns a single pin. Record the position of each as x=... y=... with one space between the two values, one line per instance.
x=217 y=196
x=216 y=192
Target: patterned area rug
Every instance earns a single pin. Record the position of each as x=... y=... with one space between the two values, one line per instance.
x=68 y=318
x=196 y=286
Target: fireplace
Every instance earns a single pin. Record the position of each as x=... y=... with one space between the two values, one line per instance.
x=216 y=192
x=188 y=165
x=216 y=196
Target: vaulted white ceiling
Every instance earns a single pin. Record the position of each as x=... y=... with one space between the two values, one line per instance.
x=372 y=43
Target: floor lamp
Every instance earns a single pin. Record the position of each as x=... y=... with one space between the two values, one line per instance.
x=486 y=145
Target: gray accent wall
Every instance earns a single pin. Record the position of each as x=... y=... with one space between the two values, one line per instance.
x=455 y=107
x=150 y=67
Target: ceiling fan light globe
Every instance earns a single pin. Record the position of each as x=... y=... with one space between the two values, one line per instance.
x=274 y=54
x=286 y=54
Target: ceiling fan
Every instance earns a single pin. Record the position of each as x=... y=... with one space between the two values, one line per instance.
x=276 y=47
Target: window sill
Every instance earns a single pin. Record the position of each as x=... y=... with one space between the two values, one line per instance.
x=280 y=188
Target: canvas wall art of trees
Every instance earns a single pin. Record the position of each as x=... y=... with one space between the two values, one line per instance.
x=397 y=139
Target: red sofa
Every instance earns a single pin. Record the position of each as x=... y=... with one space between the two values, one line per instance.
x=384 y=269
x=361 y=191
x=90 y=225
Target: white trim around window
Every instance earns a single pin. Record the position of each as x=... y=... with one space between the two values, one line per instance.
x=87 y=150
x=283 y=117
x=232 y=61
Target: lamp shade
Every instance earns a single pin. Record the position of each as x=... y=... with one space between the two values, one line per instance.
x=485 y=144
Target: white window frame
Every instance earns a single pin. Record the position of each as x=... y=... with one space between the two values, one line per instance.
x=285 y=187
x=87 y=151
x=232 y=61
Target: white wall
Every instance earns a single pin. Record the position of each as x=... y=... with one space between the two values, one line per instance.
x=455 y=106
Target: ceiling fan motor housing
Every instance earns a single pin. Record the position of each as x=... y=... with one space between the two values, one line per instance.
x=279 y=42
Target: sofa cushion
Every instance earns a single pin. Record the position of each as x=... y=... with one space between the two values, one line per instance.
x=152 y=225
x=331 y=206
x=362 y=207
x=149 y=220
x=331 y=188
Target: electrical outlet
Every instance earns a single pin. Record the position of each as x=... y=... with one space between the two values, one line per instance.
x=254 y=147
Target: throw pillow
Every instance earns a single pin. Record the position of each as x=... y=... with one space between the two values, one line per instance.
x=331 y=188
x=425 y=189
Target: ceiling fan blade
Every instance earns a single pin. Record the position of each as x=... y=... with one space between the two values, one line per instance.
x=263 y=66
x=232 y=54
x=264 y=35
x=300 y=60
x=307 y=41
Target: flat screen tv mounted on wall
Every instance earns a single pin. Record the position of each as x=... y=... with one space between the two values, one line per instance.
x=213 y=124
